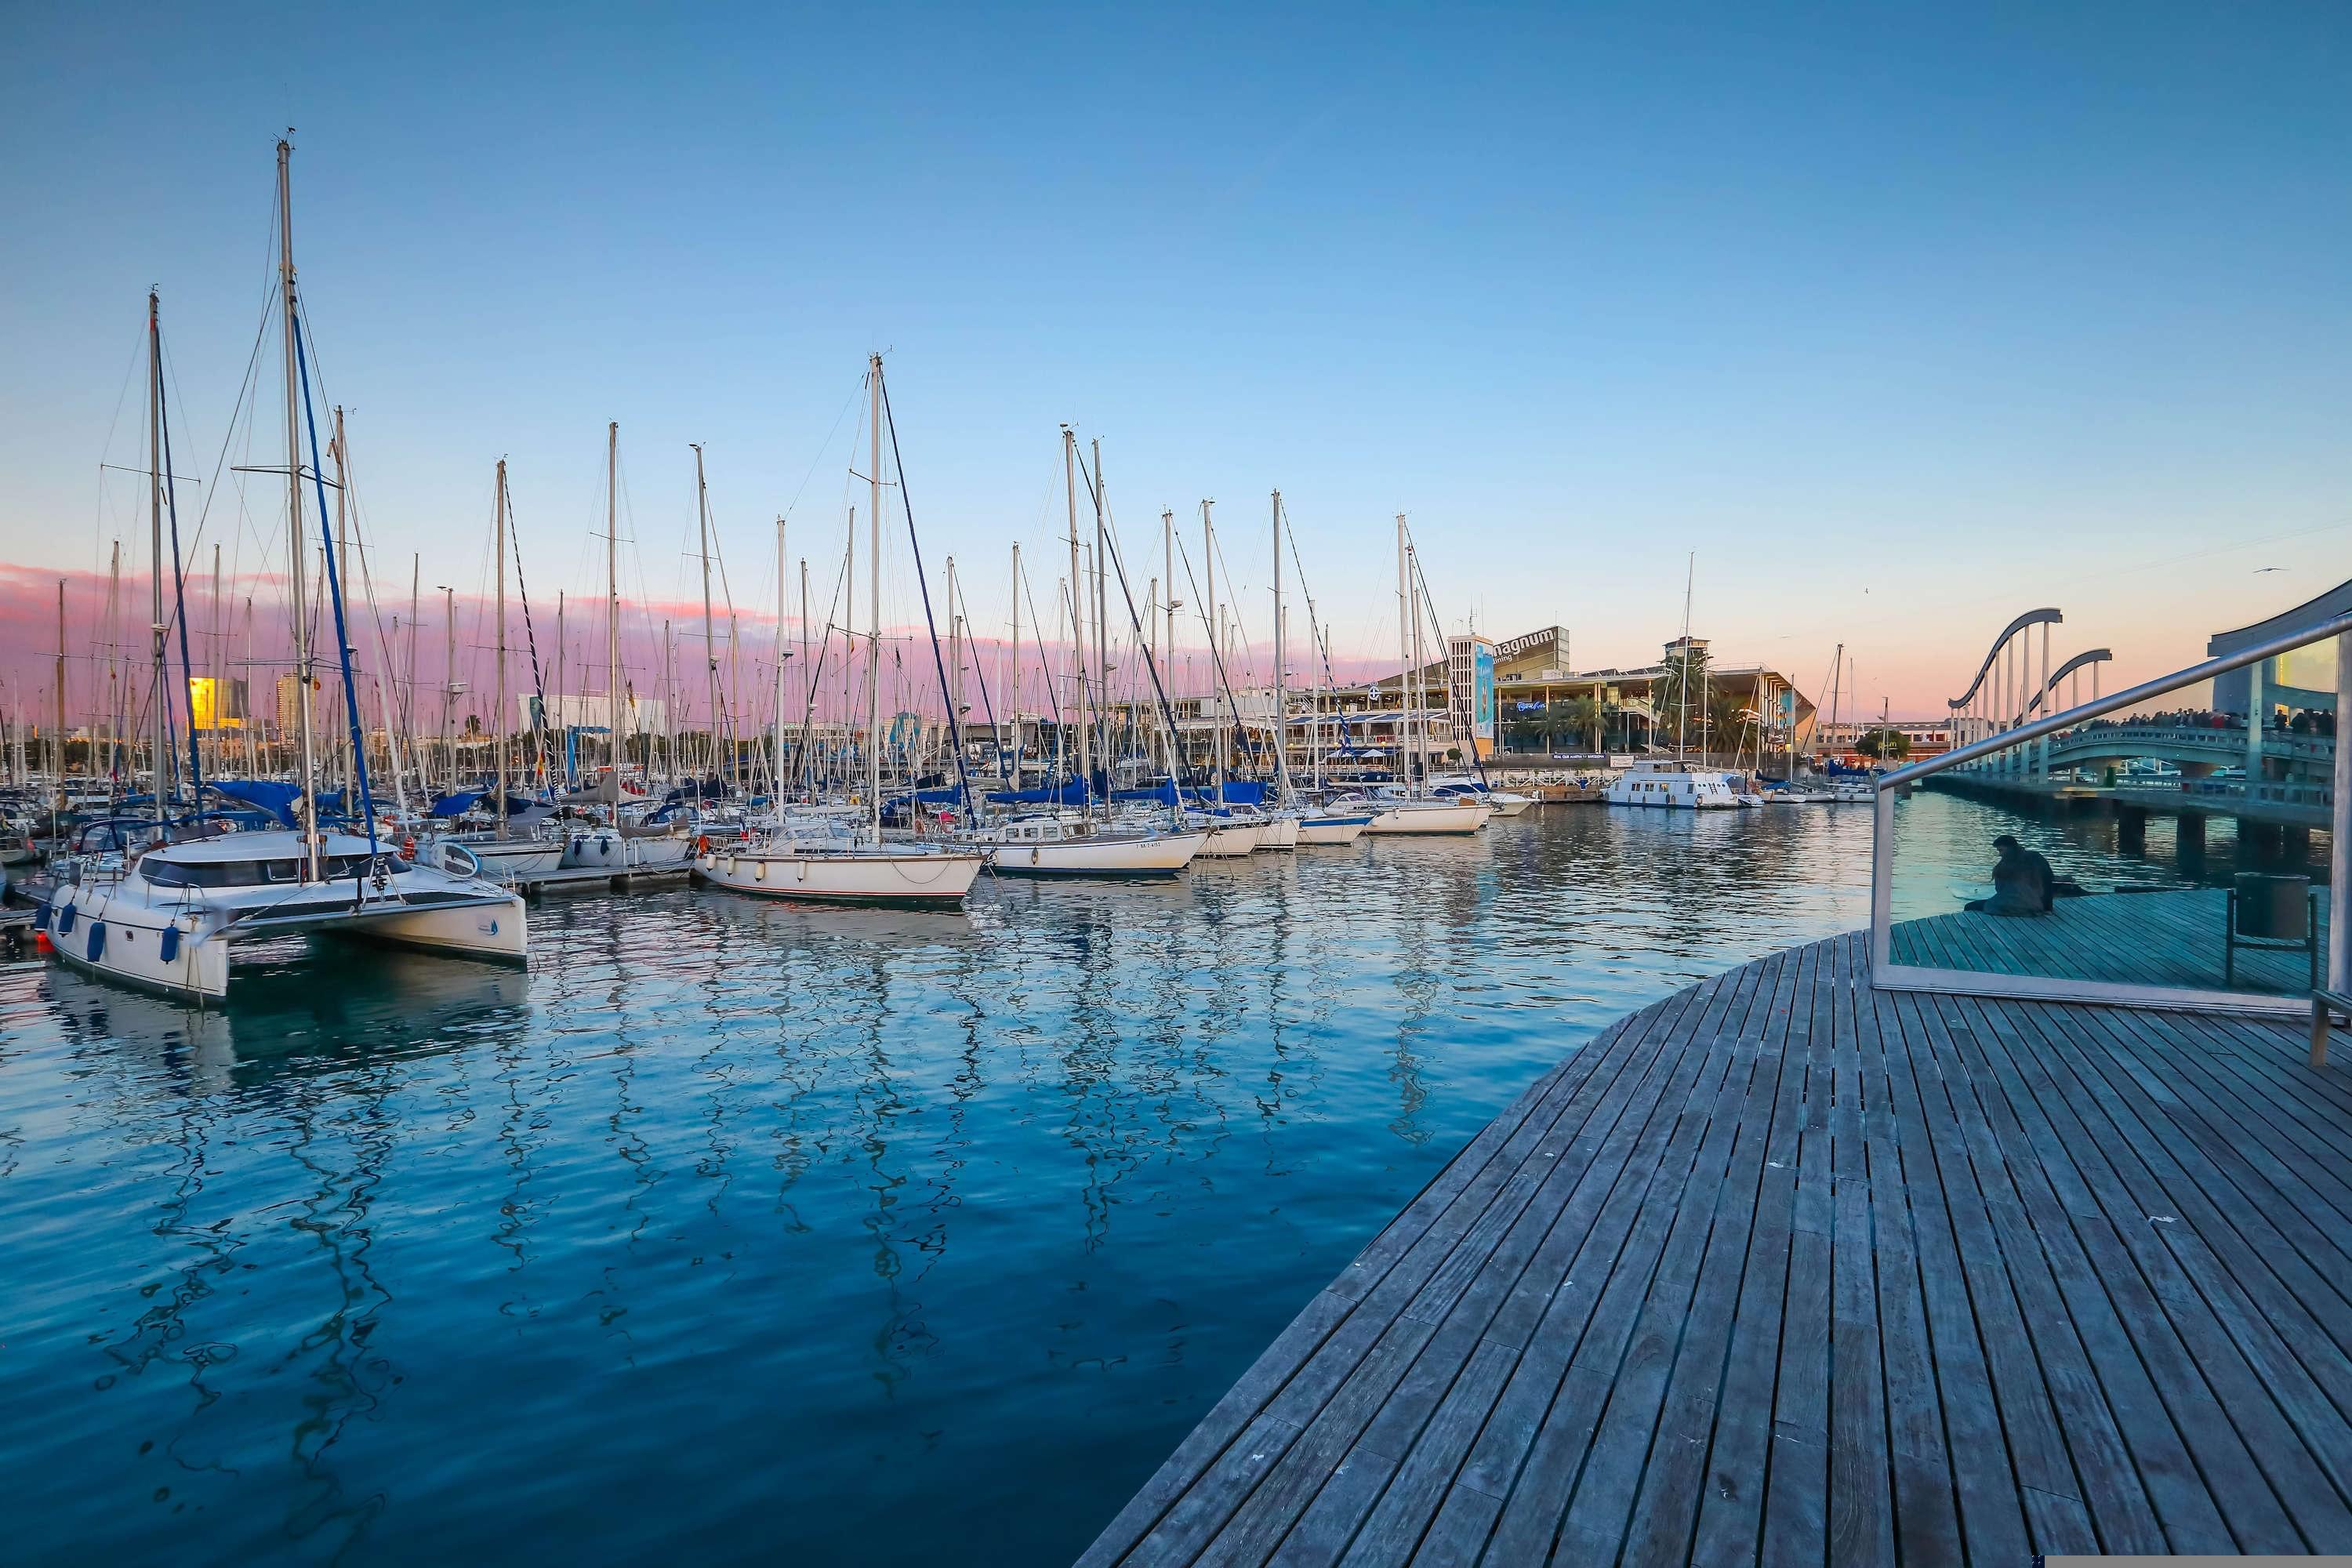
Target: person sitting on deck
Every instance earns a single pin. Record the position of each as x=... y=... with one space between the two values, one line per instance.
x=2021 y=882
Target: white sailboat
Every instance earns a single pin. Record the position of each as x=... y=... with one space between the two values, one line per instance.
x=822 y=857
x=1403 y=808
x=162 y=916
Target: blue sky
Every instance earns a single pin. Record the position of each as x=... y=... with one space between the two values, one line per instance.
x=1902 y=318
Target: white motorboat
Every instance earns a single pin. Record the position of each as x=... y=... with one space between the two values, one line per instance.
x=1673 y=787
x=164 y=918
x=1504 y=802
x=1800 y=794
x=1066 y=844
x=1848 y=790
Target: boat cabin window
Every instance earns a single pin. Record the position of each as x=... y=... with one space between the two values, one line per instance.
x=166 y=873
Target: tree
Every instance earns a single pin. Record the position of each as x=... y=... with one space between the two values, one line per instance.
x=1882 y=745
x=1678 y=697
x=1729 y=722
x=1583 y=718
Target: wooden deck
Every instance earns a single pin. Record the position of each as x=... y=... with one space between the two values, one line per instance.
x=1783 y=1268
x=2169 y=938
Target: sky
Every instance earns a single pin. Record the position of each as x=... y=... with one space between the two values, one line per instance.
x=1882 y=323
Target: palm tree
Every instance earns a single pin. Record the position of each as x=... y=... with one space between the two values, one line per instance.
x=1678 y=696
x=1728 y=722
x=1583 y=717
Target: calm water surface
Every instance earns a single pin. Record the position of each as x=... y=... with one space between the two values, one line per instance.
x=735 y=1232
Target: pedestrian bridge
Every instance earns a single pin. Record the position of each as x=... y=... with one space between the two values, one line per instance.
x=2196 y=749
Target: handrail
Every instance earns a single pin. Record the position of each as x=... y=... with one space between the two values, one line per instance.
x=2128 y=698
x=2045 y=616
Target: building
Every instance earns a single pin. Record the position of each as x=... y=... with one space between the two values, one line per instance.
x=1538 y=692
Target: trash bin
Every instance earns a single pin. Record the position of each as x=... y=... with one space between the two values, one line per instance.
x=2273 y=908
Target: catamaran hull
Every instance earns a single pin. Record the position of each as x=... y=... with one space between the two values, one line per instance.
x=1332 y=829
x=1430 y=817
x=494 y=931
x=920 y=881
x=1160 y=856
x=129 y=951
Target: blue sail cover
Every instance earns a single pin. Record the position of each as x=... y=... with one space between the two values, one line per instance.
x=1069 y=792
x=263 y=795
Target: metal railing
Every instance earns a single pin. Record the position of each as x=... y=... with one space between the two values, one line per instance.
x=1887 y=974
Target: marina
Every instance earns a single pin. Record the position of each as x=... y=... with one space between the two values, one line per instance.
x=1161 y=789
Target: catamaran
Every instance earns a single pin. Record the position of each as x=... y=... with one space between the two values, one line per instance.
x=822 y=857
x=163 y=914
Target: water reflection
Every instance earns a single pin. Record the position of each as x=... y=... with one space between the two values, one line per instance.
x=729 y=1212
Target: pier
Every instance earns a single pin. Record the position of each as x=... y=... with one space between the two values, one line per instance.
x=1785 y=1268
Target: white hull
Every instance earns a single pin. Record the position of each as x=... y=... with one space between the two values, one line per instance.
x=1157 y=855
x=1673 y=789
x=1332 y=829
x=174 y=938
x=1230 y=843
x=1509 y=805
x=1278 y=833
x=864 y=876
x=1429 y=816
x=506 y=860
x=602 y=849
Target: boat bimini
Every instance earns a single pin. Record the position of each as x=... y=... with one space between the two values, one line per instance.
x=165 y=919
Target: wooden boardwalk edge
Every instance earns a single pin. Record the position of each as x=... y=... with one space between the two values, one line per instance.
x=1785 y=1268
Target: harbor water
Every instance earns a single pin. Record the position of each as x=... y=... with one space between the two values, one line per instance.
x=736 y=1232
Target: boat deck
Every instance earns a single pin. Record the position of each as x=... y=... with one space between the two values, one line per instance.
x=1785 y=1269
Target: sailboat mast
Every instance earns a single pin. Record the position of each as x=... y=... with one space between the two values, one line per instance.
x=1102 y=613
x=874 y=590
x=449 y=681
x=498 y=703
x=1405 y=677
x=155 y=581
x=1078 y=621
x=1281 y=713
x=808 y=673
x=1013 y=701
x=58 y=695
x=295 y=552
x=348 y=774
x=783 y=651
x=408 y=709
x=709 y=639
x=1215 y=619
x=220 y=690
x=616 y=747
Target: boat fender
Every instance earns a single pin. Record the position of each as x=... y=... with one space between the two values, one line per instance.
x=168 y=945
x=1033 y=857
x=96 y=940
x=702 y=845
x=66 y=921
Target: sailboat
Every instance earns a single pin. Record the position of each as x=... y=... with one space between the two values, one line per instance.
x=1311 y=823
x=1055 y=841
x=504 y=855
x=617 y=844
x=1405 y=807
x=1676 y=787
x=162 y=916
x=823 y=857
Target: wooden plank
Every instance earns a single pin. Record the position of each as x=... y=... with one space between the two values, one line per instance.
x=1785 y=1270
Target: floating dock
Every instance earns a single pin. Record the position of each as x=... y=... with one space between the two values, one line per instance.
x=592 y=877
x=1785 y=1269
